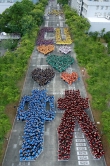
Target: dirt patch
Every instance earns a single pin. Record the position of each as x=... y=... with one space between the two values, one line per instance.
x=97 y=118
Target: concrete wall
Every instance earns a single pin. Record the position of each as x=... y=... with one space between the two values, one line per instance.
x=96 y=7
x=4 y=6
x=74 y=4
x=98 y=26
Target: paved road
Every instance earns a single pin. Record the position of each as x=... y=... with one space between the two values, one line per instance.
x=80 y=150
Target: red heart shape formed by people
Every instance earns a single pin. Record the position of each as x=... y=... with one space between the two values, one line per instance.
x=69 y=77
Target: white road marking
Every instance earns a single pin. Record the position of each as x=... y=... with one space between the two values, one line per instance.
x=61 y=18
x=45 y=35
x=82 y=153
x=81 y=148
x=79 y=135
x=61 y=24
x=80 y=140
x=83 y=163
x=74 y=88
x=15 y=146
x=55 y=21
x=80 y=144
x=82 y=157
x=42 y=65
x=20 y=142
x=46 y=133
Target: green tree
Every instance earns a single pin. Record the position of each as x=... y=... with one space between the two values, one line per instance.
x=106 y=123
x=11 y=18
x=9 y=44
x=27 y=23
x=109 y=48
x=94 y=35
x=37 y=15
x=63 y=2
x=107 y=36
x=102 y=32
x=4 y=124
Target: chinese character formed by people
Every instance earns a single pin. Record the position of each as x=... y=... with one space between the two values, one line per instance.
x=74 y=106
x=34 y=117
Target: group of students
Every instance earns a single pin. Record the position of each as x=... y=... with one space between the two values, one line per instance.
x=60 y=63
x=91 y=133
x=41 y=38
x=34 y=117
x=74 y=106
x=69 y=77
x=65 y=49
x=43 y=76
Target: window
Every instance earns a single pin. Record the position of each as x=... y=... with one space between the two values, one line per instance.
x=104 y=14
x=106 y=7
x=95 y=14
x=97 y=7
x=101 y=7
x=99 y=14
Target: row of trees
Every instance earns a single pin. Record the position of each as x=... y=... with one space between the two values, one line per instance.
x=14 y=64
x=22 y=17
x=92 y=55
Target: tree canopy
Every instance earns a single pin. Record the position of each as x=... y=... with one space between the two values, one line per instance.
x=22 y=16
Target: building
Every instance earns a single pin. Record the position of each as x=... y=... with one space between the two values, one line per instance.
x=96 y=11
x=4 y=4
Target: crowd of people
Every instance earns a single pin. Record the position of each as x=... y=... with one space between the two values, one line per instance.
x=60 y=63
x=69 y=77
x=41 y=38
x=74 y=106
x=34 y=117
x=65 y=49
x=43 y=76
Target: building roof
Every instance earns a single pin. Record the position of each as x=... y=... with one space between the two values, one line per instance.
x=96 y=19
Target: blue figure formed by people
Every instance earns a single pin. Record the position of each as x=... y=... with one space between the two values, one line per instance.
x=35 y=117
